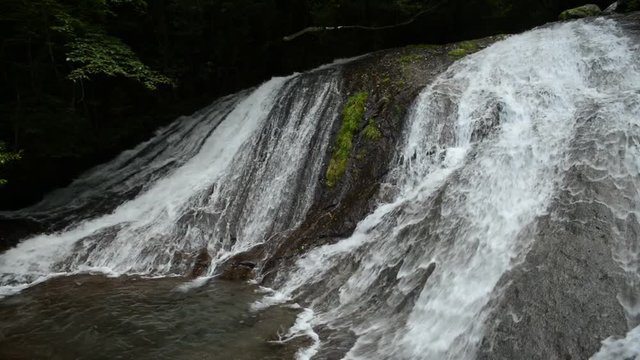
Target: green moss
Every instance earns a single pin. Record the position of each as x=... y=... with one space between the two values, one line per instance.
x=352 y=114
x=371 y=131
x=464 y=48
x=580 y=12
x=458 y=53
x=409 y=58
x=470 y=46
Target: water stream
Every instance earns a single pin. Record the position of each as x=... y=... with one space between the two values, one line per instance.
x=485 y=151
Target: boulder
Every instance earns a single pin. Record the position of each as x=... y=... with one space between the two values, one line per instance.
x=580 y=12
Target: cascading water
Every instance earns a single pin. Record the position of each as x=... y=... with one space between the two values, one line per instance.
x=484 y=153
x=486 y=150
x=227 y=179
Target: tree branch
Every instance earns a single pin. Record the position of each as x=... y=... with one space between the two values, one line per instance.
x=312 y=29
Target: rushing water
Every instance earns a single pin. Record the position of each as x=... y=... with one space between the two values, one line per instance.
x=485 y=150
x=232 y=176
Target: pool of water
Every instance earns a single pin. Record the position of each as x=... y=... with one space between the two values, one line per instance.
x=94 y=317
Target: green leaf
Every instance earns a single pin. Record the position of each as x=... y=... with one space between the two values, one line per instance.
x=96 y=53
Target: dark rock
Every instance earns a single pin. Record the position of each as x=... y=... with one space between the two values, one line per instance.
x=567 y=295
x=202 y=262
x=238 y=272
x=580 y=12
x=561 y=302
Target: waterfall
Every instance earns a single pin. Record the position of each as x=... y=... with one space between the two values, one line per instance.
x=225 y=179
x=518 y=132
x=485 y=150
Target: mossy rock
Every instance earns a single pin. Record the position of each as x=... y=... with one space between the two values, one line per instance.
x=580 y=12
x=464 y=48
x=352 y=115
x=410 y=58
x=371 y=131
x=458 y=52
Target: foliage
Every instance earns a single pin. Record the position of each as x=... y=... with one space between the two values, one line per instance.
x=7 y=157
x=101 y=54
x=352 y=114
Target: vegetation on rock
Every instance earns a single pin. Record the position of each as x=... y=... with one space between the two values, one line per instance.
x=464 y=49
x=352 y=115
x=580 y=12
x=371 y=131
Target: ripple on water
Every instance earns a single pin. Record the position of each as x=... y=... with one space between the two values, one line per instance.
x=132 y=318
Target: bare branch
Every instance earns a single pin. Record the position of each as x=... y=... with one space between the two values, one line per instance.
x=312 y=29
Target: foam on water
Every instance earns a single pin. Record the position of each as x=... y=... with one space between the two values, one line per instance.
x=483 y=153
x=237 y=173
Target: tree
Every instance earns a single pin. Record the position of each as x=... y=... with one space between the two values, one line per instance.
x=49 y=52
x=5 y=158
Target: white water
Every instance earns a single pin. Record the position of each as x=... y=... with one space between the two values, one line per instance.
x=252 y=176
x=483 y=155
x=627 y=348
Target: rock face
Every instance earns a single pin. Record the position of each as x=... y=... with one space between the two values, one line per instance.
x=580 y=12
x=202 y=262
x=392 y=79
x=562 y=301
x=568 y=294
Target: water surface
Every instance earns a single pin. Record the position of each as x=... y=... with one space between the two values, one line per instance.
x=94 y=317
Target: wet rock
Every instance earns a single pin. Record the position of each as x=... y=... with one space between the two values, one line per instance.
x=488 y=124
x=561 y=303
x=392 y=78
x=202 y=262
x=241 y=271
x=611 y=8
x=580 y=12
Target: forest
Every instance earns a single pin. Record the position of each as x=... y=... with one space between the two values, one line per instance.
x=83 y=80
